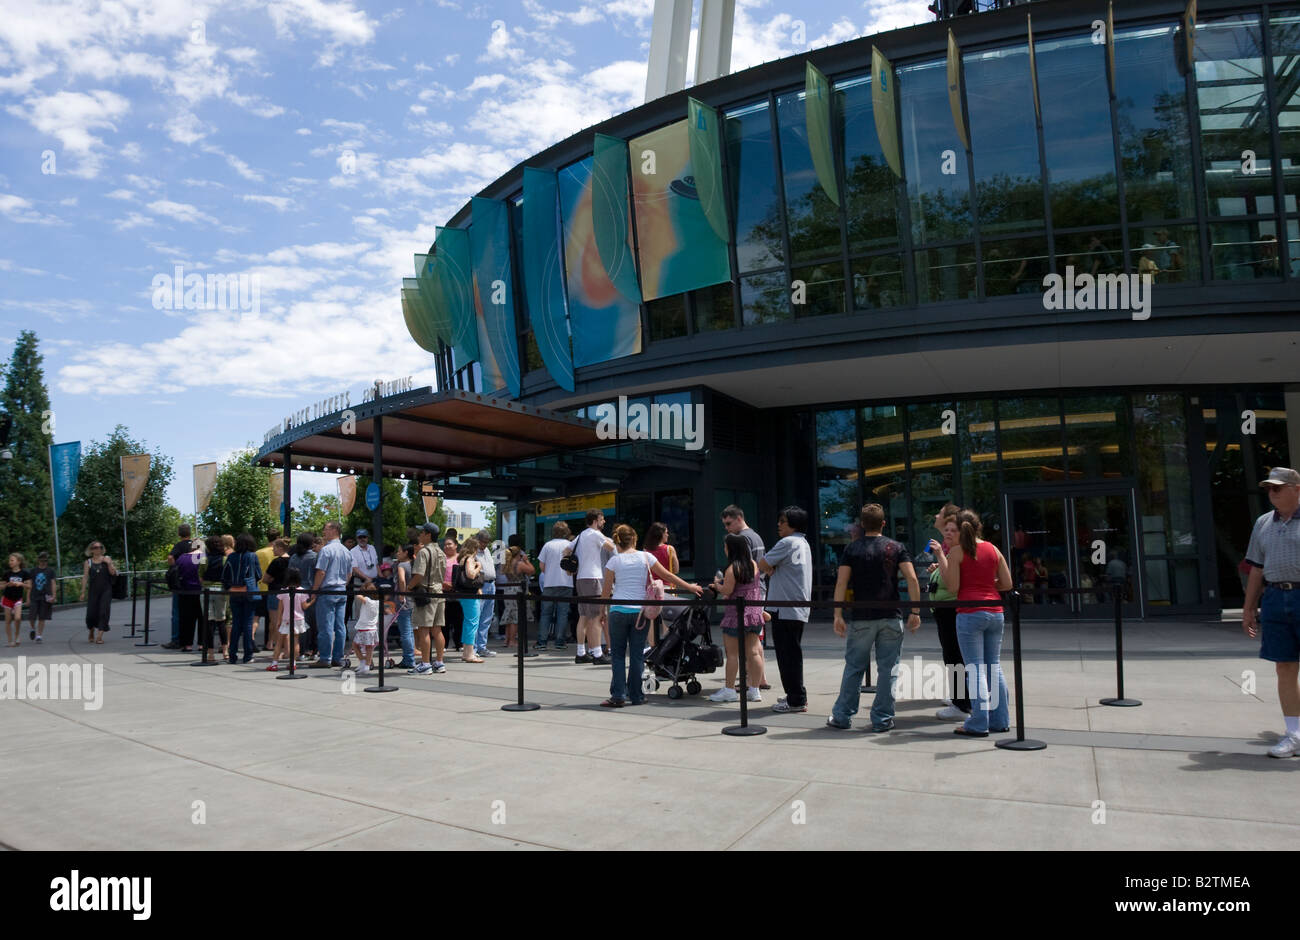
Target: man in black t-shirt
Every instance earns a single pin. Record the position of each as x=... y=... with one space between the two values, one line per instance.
x=872 y=564
x=182 y=547
x=42 y=596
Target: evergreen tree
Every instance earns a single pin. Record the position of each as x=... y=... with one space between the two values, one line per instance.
x=26 y=513
x=95 y=510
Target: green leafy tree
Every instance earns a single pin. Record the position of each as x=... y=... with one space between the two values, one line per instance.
x=415 y=508
x=95 y=510
x=240 y=500
x=313 y=511
x=490 y=512
x=395 y=511
x=26 y=515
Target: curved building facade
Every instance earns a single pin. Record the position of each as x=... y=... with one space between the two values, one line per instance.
x=1047 y=269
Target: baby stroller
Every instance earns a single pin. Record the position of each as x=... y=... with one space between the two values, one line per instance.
x=686 y=650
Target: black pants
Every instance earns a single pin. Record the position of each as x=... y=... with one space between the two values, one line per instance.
x=190 y=613
x=787 y=638
x=453 y=621
x=946 y=618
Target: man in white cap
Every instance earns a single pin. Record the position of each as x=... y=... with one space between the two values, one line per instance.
x=365 y=562
x=1274 y=559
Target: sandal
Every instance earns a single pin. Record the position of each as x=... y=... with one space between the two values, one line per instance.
x=612 y=703
x=476 y=659
x=100 y=640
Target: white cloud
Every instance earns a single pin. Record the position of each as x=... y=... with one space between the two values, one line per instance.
x=7 y=265
x=132 y=151
x=186 y=128
x=279 y=203
x=124 y=194
x=17 y=209
x=304 y=131
x=339 y=21
x=499 y=45
x=133 y=220
x=70 y=117
x=180 y=211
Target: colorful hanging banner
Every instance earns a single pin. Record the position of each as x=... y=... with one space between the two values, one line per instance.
x=605 y=325
x=494 y=288
x=817 y=119
x=677 y=246
x=65 y=467
x=885 y=110
x=544 y=275
x=415 y=315
x=454 y=287
x=347 y=494
x=706 y=164
x=135 y=474
x=430 y=506
x=277 y=495
x=1033 y=71
x=1110 y=46
x=955 y=90
x=610 y=205
x=205 y=483
x=1189 y=34
x=437 y=319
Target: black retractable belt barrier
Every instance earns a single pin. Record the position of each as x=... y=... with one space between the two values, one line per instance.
x=293 y=672
x=205 y=631
x=148 y=591
x=1119 y=700
x=521 y=705
x=1019 y=742
x=744 y=729
x=383 y=649
x=522 y=638
x=134 y=595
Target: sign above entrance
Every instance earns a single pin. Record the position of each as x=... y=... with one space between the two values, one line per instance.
x=549 y=510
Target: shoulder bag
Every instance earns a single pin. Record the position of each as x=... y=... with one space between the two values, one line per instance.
x=654 y=591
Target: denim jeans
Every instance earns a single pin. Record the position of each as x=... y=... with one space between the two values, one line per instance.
x=486 y=610
x=331 y=627
x=241 y=625
x=407 y=633
x=469 y=629
x=887 y=637
x=623 y=630
x=980 y=636
x=555 y=615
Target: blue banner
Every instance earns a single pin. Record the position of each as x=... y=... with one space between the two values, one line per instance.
x=65 y=467
x=454 y=283
x=489 y=240
x=544 y=275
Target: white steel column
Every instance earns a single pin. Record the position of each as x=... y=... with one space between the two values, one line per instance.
x=670 y=35
x=713 y=51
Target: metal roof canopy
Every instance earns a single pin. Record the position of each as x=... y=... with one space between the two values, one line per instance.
x=426 y=435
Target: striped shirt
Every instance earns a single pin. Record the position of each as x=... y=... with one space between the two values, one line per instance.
x=1275 y=546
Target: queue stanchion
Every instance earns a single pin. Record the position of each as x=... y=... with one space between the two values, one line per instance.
x=520 y=705
x=1019 y=742
x=206 y=631
x=1119 y=700
x=744 y=729
x=134 y=595
x=383 y=648
x=148 y=591
x=293 y=672
x=522 y=639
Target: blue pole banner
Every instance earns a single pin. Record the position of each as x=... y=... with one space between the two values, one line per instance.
x=65 y=467
x=489 y=240
x=544 y=274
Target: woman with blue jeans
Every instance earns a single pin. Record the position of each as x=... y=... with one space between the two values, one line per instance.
x=239 y=568
x=405 y=554
x=627 y=578
x=976 y=571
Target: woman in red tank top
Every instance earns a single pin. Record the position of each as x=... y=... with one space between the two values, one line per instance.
x=976 y=571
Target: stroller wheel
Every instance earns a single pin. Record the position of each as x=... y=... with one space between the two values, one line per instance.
x=675 y=692
x=693 y=687
x=648 y=683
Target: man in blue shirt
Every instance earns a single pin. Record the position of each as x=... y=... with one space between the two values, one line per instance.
x=333 y=566
x=1274 y=559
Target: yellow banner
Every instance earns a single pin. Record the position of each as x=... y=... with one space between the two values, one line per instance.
x=954 y=90
x=205 y=481
x=1189 y=33
x=1033 y=71
x=347 y=494
x=277 y=495
x=886 y=113
x=1110 y=45
x=135 y=474
x=576 y=504
x=430 y=506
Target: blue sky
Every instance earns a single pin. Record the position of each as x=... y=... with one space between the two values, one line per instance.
x=310 y=147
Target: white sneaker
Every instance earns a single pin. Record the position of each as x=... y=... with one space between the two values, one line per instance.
x=724 y=695
x=363 y=670
x=753 y=695
x=951 y=713
x=1289 y=746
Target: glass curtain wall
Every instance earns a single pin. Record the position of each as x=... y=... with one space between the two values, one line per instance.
x=1284 y=40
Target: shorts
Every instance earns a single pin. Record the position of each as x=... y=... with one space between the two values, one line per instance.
x=260 y=608
x=589 y=587
x=368 y=637
x=1279 y=622
x=429 y=616
x=299 y=628
x=9 y=603
x=272 y=601
x=41 y=608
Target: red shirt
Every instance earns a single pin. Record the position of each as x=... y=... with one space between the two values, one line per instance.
x=979 y=577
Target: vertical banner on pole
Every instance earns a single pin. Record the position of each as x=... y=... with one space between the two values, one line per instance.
x=277 y=497
x=430 y=506
x=1110 y=46
x=818 y=119
x=135 y=474
x=205 y=483
x=885 y=110
x=1189 y=34
x=65 y=467
x=347 y=494
x=955 y=90
x=1033 y=72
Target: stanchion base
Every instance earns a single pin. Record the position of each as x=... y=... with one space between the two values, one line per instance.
x=369 y=688
x=293 y=675
x=520 y=707
x=744 y=731
x=146 y=644
x=1028 y=744
x=210 y=662
x=1122 y=702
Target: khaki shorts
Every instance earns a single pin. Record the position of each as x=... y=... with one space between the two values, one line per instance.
x=589 y=587
x=430 y=615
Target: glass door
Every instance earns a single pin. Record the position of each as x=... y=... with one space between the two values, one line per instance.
x=1073 y=538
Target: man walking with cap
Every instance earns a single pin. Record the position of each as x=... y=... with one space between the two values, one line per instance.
x=1274 y=559
x=427 y=572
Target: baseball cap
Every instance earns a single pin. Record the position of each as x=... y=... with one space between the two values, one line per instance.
x=362 y=533
x=1283 y=475
x=431 y=528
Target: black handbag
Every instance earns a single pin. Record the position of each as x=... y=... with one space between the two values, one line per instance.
x=569 y=563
